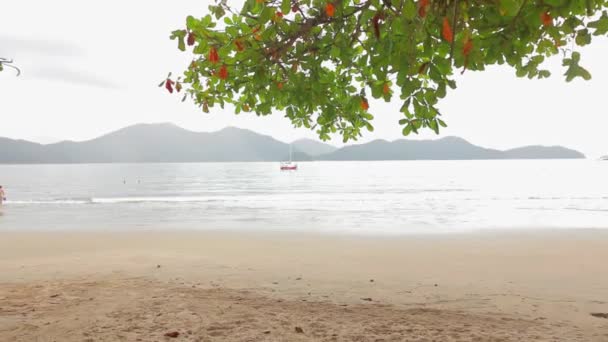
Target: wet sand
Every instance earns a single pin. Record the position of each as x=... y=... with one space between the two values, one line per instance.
x=212 y=286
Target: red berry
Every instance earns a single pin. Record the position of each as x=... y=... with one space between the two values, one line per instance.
x=364 y=105
x=213 y=56
x=422 y=7
x=447 y=30
x=191 y=38
x=239 y=45
x=546 y=18
x=330 y=10
x=169 y=85
x=223 y=74
x=468 y=46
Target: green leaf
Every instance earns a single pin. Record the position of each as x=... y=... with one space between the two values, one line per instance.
x=409 y=10
x=433 y=125
x=441 y=90
x=265 y=16
x=407 y=130
x=191 y=22
x=555 y=3
x=583 y=37
x=600 y=25
x=510 y=7
x=285 y=6
x=582 y=72
x=219 y=12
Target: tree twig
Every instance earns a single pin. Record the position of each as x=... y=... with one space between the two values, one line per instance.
x=454 y=20
x=4 y=62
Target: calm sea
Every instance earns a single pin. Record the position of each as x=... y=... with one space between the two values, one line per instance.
x=351 y=197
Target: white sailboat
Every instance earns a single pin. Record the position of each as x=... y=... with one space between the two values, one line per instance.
x=290 y=165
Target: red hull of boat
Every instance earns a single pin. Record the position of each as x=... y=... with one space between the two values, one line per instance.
x=288 y=168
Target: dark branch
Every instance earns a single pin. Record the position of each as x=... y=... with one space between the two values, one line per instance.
x=8 y=63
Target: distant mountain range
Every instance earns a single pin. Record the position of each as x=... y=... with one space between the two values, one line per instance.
x=146 y=143
x=448 y=148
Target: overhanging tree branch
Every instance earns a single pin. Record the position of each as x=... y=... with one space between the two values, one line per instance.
x=4 y=62
x=342 y=51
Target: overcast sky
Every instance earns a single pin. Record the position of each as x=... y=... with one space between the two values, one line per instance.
x=91 y=67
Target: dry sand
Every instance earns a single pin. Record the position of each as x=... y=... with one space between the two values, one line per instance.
x=540 y=286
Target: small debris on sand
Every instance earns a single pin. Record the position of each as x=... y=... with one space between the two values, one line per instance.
x=599 y=314
x=172 y=334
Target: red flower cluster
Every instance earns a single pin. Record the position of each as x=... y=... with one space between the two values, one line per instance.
x=213 y=56
x=330 y=10
x=447 y=30
x=223 y=74
x=422 y=7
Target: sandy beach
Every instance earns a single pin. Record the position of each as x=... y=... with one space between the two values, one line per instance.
x=212 y=286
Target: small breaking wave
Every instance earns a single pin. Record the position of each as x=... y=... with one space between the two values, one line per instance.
x=178 y=199
x=115 y=200
x=50 y=201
